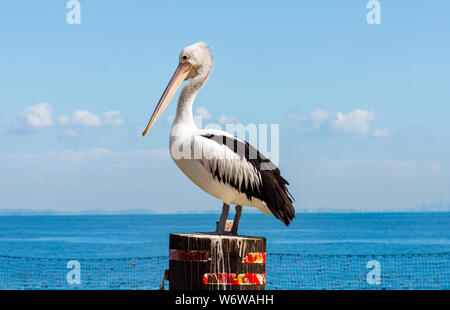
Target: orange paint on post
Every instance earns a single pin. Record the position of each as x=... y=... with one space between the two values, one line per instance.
x=234 y=279
x=255 y=258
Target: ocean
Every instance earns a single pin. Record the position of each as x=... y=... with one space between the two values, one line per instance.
x=104 y=236
x=318 y=251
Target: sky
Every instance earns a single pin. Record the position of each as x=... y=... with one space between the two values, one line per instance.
x=363 y=109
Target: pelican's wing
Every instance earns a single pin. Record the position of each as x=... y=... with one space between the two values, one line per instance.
x=237 y=163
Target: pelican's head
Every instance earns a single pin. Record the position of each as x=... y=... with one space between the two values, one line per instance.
x=195 y=60
x=199 y=56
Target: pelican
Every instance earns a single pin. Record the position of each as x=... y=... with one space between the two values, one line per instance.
x=224 y=166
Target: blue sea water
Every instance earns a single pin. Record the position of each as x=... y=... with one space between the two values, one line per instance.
x=108 y=236
x=317 y=251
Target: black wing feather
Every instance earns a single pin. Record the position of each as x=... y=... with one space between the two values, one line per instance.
x=273 y=190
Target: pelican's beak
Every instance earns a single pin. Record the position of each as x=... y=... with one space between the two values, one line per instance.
x=184 y=71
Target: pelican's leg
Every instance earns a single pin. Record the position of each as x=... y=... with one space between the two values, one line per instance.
x=223 y=219
x=237 y=217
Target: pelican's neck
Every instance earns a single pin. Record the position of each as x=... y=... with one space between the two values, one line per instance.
x=187 y=97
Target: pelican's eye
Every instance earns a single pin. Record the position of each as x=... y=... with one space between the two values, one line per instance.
x=184 y=58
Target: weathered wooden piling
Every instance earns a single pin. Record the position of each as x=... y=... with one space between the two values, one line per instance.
x=211 y=262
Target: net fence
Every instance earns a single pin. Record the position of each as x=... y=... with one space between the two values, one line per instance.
x=394 y=271
x=283 y=271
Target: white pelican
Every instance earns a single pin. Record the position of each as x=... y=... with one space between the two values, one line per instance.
x=222 y=165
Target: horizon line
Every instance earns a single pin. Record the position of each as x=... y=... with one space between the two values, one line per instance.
x=10 y=212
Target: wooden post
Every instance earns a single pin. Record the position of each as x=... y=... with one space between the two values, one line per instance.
x=212 y=262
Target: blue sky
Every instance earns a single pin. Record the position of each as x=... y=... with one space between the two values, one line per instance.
x=363 y=109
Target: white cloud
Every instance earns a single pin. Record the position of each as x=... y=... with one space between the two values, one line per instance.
x=86 y=118
x=203 y=112
x=112 y=118
x=318 y=116
x=39 y=115
x=225 y=119
x=354 y=122
x=382 y=133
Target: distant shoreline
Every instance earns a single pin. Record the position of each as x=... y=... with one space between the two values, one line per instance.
x=11 y=212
